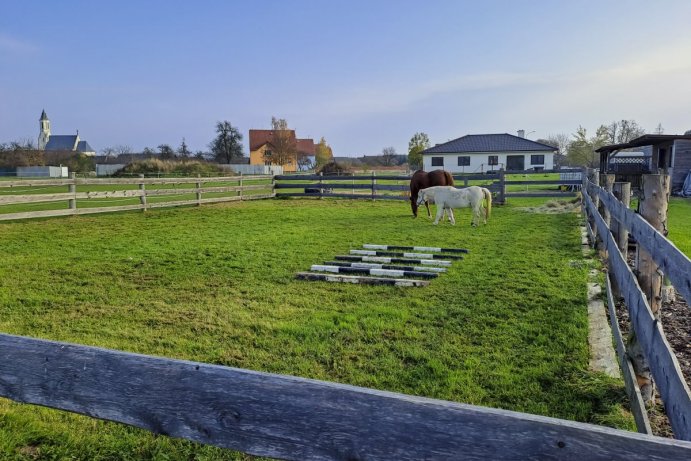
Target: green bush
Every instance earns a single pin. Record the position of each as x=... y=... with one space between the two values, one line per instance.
x=173 y=168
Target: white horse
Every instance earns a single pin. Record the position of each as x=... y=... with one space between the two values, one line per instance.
x=448 y=197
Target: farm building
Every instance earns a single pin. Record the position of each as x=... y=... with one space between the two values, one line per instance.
x=261 y=147
x=669 y=154
x=60 y=142
x=479 y=153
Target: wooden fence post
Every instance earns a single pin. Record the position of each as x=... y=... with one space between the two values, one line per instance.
x=622 y=191
x=374 y=184
x=72 y=189
x=595 y=179
x=142 y=198
x=240 y=184
x=652 y=208
x=502 y=186
x=199 y=190
x=607 y=181
x=321 y=185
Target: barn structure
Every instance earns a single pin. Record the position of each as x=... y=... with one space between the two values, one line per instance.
x=669 y=154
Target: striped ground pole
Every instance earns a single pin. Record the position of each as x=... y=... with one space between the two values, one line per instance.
x=327 y=277
x=404 y=255
x=372 y=271
x=388 y=260
x=372 y=246
x=385 y=266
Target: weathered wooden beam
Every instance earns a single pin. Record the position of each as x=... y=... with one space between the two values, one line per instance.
x=663 y=363
x=361 y=279
x=293 y=418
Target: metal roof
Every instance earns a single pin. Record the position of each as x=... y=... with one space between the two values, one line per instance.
x=61 y=142
x=84 y=146
x=645 y=140
x=502 y=142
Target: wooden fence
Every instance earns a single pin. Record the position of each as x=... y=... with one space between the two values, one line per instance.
x=293 y=418
x=677 y=267
x=188 y=191
x=397 y=187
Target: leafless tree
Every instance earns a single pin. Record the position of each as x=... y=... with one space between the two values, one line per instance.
x=388 y=154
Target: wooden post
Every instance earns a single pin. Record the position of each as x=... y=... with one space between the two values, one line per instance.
x=374 y=184
x=73 y=190
x=607 y=181
x=622 y=191
x=321 y=185
x=240 y=184
x=595 y=179
x=652 y=208
x=142 y=198
x=502 y=186
x=199 y=191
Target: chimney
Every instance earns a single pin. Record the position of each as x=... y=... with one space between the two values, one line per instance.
x=521 y=133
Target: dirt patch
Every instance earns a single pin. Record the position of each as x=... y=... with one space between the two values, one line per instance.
x=555 y=207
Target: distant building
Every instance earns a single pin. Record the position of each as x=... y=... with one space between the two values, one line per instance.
x=479 y=153
x=54 y=142
x=261 y=148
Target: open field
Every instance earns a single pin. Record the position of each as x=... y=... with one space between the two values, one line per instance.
x=679 y=222
x=506 y=327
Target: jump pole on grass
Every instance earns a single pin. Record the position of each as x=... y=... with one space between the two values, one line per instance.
x=405 y=255
x=385 y=266
x=362 y=280
x=372 y=246
x=383 y=259
x=372 y=271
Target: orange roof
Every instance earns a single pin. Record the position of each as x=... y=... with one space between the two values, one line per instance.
x=306 y=147
x=260 y=137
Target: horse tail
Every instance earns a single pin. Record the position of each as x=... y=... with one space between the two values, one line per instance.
x=449 y=178
x=488 y=197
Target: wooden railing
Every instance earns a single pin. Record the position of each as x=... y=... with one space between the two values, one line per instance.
x=293 y=418
x=397 y=187
x=649 y=332
x=86 y=192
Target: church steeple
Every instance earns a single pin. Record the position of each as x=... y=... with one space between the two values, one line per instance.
x=44 y=135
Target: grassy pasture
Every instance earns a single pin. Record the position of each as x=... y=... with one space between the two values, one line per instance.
x=506 y=327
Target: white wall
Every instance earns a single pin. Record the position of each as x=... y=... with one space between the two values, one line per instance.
x=479 y=161
x=42 y=171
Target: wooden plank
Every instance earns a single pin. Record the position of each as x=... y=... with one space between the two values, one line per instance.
x=169 y=181
x=663 y=363
x=37 y=214
x=347 y=196
x=360 y=279
x=35 y=183
x=554 y=182
x=640 y=415
x=294 y=418
x=673 y=263
x=540 y=194
x=32 y=198
x=387 y=260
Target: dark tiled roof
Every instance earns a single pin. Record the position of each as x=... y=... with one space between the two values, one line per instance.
x=84 y=146
x=61 y=142
x=503 y=142
x=306 y=147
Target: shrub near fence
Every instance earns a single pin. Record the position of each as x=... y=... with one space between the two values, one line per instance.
x=122 y=194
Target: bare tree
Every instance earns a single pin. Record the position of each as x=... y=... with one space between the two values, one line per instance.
x=227 y=144
x=388 y=154
x=283 y=145
x=623 y=131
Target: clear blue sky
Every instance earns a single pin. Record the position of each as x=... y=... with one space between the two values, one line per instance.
x=363 y=74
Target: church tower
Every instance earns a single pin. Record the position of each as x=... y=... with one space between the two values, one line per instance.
x=45 y=131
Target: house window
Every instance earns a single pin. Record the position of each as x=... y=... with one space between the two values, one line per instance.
x=493 y=160
x=437 y=161
x=267 y=153
x=464 y=161
x=537 y=159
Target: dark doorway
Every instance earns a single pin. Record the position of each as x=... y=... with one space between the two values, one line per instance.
x=515 y=162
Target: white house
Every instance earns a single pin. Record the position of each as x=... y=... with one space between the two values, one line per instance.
x=479 y=153
x=61 y=142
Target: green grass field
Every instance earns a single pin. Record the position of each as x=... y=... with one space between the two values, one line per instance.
x=679 y=223
x=506 y=327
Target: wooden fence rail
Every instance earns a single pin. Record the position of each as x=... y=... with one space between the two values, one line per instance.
x=369 y=185
x=189 y=186
x=663 y=363
x=293 y=418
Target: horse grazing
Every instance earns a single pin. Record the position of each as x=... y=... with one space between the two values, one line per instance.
x=421 y=180
x=447 y=198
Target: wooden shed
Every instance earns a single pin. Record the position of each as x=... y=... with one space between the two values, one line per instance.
x=671 y=154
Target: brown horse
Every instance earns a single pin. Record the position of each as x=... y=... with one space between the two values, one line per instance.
x=422 y=180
